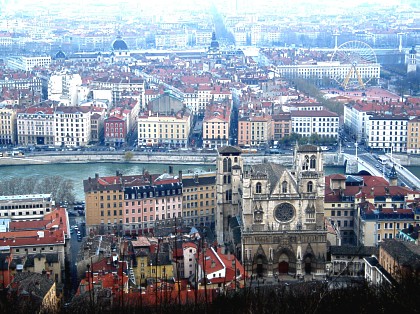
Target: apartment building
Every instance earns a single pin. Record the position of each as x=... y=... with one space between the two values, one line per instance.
x=199 y=199
x=356 y=118
x=339 y=205
x=119 y=84
x=72 y=126
x=28 y=63
x=64 y=87
x=323 y=70
x=281 y=126
x=367 y=209
x=164 y=130
x=387 y=132
x=115 y=130
x=7 y=125
x=381 y=213
x=131 y=204
x=254 y=131
x=35 y=126
x=104 y=198
x=413 y=136
x=216 y=125
x=152 y=204
x=25 y=207
x=321 y=122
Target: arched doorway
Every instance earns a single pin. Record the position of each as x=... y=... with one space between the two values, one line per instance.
x=283 y=267
x=308 y=264
x=283 y=264
x=260 y=267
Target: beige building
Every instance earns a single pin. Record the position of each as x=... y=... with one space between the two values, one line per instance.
x=413 y=136
x=7 y=126
x=216 y=125
x=199 y=199
x=157 y=129
x=35 y=126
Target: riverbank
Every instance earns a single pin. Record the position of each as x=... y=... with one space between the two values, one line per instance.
x=180 y=157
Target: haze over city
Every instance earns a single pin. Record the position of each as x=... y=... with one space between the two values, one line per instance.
x=209 y=156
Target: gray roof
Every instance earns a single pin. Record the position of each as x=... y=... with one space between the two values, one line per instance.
x=229 y=150
x=354 y=250
x=270 y=170
x=308 y=148
x=49 y=258
x=404 y=252
x=199 y=181
x=34 y=284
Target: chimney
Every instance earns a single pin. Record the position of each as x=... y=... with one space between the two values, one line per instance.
x=180 y=175
x=96 y=176
x=171 y=169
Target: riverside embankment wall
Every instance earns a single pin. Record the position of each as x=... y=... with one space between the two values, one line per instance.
x=162 y=158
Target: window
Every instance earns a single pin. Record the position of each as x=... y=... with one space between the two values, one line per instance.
x=284 y=187
x=258 y=188
x=310 y=187
x=313 y=162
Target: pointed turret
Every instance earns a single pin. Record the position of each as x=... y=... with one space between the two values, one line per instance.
x=393 y=176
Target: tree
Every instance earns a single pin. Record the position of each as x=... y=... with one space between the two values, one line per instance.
x=61 y=190
x=128 y=156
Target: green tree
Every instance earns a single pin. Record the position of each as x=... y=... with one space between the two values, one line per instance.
x=128 y=156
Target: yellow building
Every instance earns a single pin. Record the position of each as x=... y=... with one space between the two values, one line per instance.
x=199 y=198
x=104 y=199
x=157 y=129
x=413 y=136
x=160 y=266
x=8 y=129
x=142 y=270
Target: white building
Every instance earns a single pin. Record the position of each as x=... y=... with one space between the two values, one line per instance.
x=355 y=120
x=189 y=250
x=387 y=132
x=28 y=63
x=72 y=126
x=64 y=87
x=322 y=122
x=25 y=207
x=330 y=70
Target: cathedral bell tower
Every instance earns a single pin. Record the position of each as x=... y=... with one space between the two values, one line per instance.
x=228 y=182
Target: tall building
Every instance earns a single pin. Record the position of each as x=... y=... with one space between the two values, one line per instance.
x=7 y=126
x=271 y=215
x=412 y=61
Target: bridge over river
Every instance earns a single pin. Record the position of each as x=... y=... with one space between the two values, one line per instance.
x=365 y=162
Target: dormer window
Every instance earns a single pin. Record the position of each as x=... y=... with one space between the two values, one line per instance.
x=284 y=187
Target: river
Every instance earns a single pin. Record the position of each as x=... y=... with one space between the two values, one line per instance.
x=79 y=172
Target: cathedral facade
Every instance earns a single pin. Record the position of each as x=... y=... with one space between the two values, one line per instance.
x=273 y=216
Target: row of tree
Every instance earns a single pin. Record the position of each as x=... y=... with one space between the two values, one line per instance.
x=62 y=190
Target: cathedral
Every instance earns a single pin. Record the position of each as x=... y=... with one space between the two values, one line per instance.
x=273 y=216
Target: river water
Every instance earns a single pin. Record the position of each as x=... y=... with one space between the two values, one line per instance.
x=79 y=172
